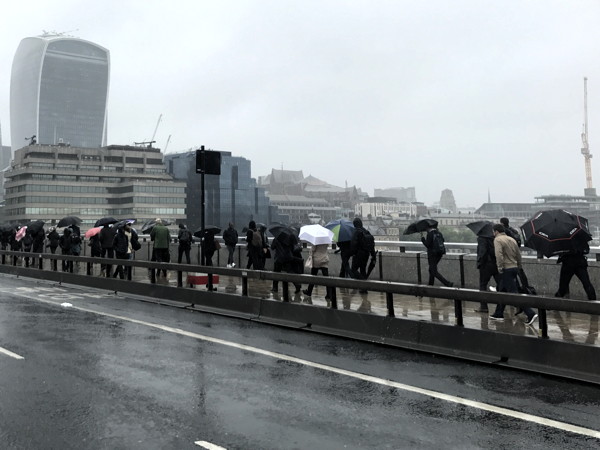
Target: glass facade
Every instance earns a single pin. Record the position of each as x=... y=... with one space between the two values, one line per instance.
x=59 y=92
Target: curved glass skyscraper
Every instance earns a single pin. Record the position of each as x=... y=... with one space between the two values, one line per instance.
x=59 y=92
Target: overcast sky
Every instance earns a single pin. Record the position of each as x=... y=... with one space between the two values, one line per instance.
x=465 y=95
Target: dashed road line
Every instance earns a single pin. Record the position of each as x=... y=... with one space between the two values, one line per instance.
x=209 y=446
x=9 y=353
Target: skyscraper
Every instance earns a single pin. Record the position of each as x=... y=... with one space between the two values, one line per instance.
x=59 y=92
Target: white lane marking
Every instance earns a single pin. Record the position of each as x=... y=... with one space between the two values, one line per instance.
x=11 y=354
x=209 y=446
x=405 y=387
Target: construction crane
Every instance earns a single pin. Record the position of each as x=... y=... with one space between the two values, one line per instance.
x=167 y=144
x=156 y=128
x=585 y=150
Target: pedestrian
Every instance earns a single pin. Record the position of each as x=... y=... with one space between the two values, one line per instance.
x=287 y=257
x=574 y=263
x=319 y=260
x=125 y=243
x=209 y=247
x=27 y=244
x=53 y=238
x=107 y=238
x=75 y=246
x=361 y=246
x=255 y=246
x=345 y=251
x=436 y=249
x=231 y=238
x=65 y=247
x=95 y=246
x=486 y=264
x=508 y=262
x=184 y=237
x=510 y=231
x=162 y=238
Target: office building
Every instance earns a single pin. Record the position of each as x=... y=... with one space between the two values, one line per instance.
x=59 y=92
x=49 y=182
x=232 y=196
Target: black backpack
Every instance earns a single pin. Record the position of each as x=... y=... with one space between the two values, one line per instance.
x=368 y=242
x=437 y=243
x=510 y=231
x=186 y=236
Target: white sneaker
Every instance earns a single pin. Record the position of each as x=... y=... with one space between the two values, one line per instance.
x=229 y=266
x=232 y=265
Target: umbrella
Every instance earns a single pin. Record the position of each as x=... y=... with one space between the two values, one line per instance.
x=105 y=221
x=556 y=231
x=483 y=228
x=421 y=225
x=149 y=224
x=261 y=227
x=122 y=223
x=315 y=234
x=68 y=221
x=92 y=232
x=372 y=264
x=35 y=227
x=343 y=230
x=208 y=229
x=21 y=233
x=7 y=227
x=284 y=233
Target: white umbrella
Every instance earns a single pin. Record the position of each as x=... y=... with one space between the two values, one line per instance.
x=316 y=234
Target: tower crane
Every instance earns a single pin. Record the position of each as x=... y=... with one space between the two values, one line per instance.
x=156 y=128
x=167 y=144
x=585 y=150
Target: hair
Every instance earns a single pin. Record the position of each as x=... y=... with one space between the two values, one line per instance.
x=158 y=221
x=357 y=222
x=182 y=226
x=252 y=224
x=499 y=228
x=504 y=221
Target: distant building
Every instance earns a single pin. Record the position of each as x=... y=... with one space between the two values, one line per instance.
x=399 y=193
x=49 y=182
x=447 y=201
x=59 y=92
x=232 y=196
x=299 y=209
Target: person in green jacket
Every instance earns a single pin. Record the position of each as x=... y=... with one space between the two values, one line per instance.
x=161 y=237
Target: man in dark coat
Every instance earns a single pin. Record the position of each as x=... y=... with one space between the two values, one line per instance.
x=107 y=236
x=574 y=263
x=360 y=252
x=231 y=238
x=434 y=255
x=255 y=247
x=184 y=238
x=486 y=263
x=286 y=253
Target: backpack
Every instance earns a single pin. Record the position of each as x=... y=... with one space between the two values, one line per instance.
x=437 y=243
x=368 y=242
x=257 y=240
x=510 y=231
x=186 y=236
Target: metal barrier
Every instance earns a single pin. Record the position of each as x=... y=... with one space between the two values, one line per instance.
x=579 y=361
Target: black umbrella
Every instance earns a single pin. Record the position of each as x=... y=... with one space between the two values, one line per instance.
x=122 y=223
x=105 y=221
x=556 y=231
x=277 y=228
x=8 y=227
x=208 y=230
x=483 y=228
x=421 y=225
x=35 y=226
x=68 y=221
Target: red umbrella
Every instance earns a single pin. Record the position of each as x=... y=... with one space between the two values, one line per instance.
x=92 y=232
x=21 y=233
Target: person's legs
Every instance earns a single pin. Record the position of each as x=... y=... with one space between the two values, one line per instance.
x=308 y=291
x=187 y=253
x=584 y=277
x=180 y=251
x=277 y=267
x=566 y=273
x=230 y=255
x=509 y=284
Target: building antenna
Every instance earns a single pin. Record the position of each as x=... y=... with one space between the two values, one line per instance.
x=585 y=150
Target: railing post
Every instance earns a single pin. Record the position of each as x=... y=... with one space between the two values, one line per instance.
x=89 y=269
x=419 y=275
x=285 y=291
x=543 y=323
x=333 y=297
x=245 y=284
x=458 y=313
x=40 y=263
x=380 y=266
x=179 y=278
x=389 y=299
x=461 y=262
x=210 y=281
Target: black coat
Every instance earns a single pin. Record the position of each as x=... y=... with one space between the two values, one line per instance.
x=230 y=236
x=53 y=238
x=485 y=252
x=107 y=237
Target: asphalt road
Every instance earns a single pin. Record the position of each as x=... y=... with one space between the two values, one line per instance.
x=115 y=372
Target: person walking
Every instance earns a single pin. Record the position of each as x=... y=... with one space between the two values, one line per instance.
x=284 y=251
x=510 y=231
x=574 y=263
x=53 y=238
x=320 y=261
x=231 y=238
x=162 y=238
x=209 y=247
x=124 y=245
x=361 y=246
x=434 y=243
x=65 y=247
x=255 y=246
x=76 y=247
x=107 y=238
x=345 y=251
x=486 y=264
x=184 y=237
x=508 y=262
x=27 y=244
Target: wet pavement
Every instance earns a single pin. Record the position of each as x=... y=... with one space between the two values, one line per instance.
x=113 y=372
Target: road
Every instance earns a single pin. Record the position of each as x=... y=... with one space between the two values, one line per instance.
x=83 y=368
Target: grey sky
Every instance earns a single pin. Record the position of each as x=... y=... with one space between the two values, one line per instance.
x=466 y=95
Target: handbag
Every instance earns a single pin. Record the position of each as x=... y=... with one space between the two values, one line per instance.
x=308 y=263
x=217 y=245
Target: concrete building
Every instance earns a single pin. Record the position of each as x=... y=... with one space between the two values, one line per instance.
x=232 y=196
x=59 y=92
x=48 y=182
x=447 y=201
x=401 y=194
